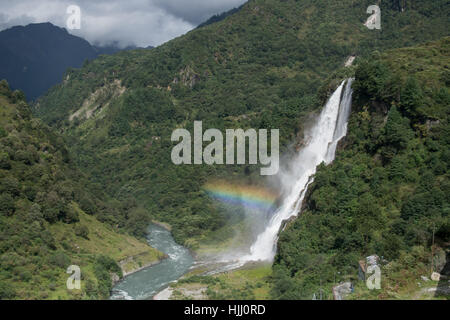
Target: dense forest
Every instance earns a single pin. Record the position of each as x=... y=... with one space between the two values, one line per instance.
x=117 y=112
x=388 y=191
x=386 y=194
x=50 y=212
x=87 y=167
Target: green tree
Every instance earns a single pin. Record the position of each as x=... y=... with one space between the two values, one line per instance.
x=411 y=98
x=82 y=231
x=368 y=217
x=6 y=291
x=397 y=132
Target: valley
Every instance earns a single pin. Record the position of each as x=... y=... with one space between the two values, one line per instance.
x=359 y=120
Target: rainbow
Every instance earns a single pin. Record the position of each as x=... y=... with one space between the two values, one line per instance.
x=252 y=197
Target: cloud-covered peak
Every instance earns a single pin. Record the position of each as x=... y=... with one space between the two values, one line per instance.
x=138 y=22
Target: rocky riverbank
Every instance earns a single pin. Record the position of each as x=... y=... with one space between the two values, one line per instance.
x=140 y=261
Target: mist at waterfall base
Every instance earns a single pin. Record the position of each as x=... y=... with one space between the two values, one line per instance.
x=295 y=175
x=247 y=207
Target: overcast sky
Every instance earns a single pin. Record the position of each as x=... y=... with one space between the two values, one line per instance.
x=139 y=22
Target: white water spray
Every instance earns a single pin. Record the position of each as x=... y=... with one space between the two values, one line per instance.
x=321 y=142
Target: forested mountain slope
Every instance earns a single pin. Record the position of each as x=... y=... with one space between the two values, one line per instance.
x=48 y=214
x=388 y=191
x=260 y=67
x=219 y=17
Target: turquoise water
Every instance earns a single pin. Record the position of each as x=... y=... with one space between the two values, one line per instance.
x=146 y=283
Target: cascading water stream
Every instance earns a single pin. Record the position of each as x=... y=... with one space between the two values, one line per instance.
x=322 y=140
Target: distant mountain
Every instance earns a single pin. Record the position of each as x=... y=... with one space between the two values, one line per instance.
x=34 y=58
x=115 y=47
x=111 y=49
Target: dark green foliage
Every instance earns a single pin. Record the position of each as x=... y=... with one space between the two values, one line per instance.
x=137 y=221
x=395 y=136
x=6 y=204
x=6 y=291
x=388 y=189
x=373 y=79
x=40 y=187
x=3 y=133
x=260 y=67
x=82 y=231
x=397 y=132
x=87 y=205
x=60 y=259
x=411 y=98
x=102 y=268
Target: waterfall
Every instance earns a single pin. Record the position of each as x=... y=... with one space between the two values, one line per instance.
x=321 y=142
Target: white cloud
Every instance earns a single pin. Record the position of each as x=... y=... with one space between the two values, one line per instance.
x=139 y=22
x=197 y=11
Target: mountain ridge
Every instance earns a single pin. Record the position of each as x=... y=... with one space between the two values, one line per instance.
x=34 y=57
x=272 y=55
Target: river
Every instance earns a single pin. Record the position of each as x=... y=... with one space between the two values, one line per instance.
x=145 y=283
x=323 y=137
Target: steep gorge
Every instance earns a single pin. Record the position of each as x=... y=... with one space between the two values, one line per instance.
x=272 y=55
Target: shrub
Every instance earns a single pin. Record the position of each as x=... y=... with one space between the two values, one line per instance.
x=6 y=204
x=6 y=291
x=60 y=259
x=82 y=231
x=103 y=266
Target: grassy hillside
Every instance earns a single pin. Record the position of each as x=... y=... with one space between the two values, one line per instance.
x=260 y=67
x=46 y=215
x=387 y=193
